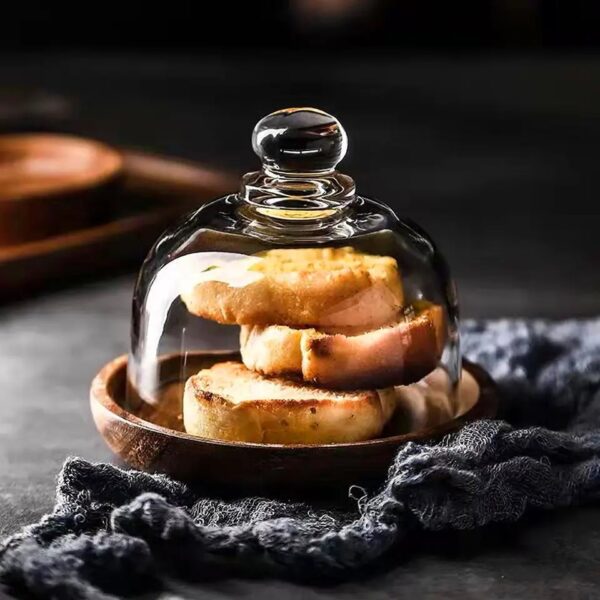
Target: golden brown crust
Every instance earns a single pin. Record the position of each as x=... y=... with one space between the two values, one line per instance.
x=395 y=355
x=301 y=287
x=218 y=405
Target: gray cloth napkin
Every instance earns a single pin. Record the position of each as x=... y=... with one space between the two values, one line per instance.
x=115 y=532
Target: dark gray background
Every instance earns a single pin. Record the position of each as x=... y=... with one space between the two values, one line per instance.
x=496 y=156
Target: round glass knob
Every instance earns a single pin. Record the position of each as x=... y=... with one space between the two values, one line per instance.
x=299 y=140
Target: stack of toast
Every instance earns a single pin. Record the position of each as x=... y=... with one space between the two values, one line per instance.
x=326 y=339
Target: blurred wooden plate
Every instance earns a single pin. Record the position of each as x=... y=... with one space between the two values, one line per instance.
x=151 y=193
x=51 y=184
x=153 y=440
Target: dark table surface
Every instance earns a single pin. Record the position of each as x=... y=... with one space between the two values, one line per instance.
x=497 y=157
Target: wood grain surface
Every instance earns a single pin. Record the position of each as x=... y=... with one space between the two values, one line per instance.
x=140 y=437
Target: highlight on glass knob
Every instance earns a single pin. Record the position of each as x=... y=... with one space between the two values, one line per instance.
x=300 y=140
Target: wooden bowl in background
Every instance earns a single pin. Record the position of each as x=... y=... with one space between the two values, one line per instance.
x=153 y=440
x=149 y=193
x=51 y=184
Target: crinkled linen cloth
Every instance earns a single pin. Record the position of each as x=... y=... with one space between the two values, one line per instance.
x=114 y=532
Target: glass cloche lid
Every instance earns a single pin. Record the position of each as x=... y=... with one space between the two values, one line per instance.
x=294 y=310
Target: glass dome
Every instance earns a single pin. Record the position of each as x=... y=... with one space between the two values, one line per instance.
x=260 y=312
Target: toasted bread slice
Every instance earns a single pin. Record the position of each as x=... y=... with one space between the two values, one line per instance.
x=425 y=404
x=397 y=354
x=229 y=402
x=325 y=287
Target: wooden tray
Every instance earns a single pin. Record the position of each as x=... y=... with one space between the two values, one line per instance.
x=153 y=192
x=51 y=184
x=141 y=439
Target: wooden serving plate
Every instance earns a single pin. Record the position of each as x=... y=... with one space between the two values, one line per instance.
x=150 y=192
x=153 y=440
x=50 y=184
